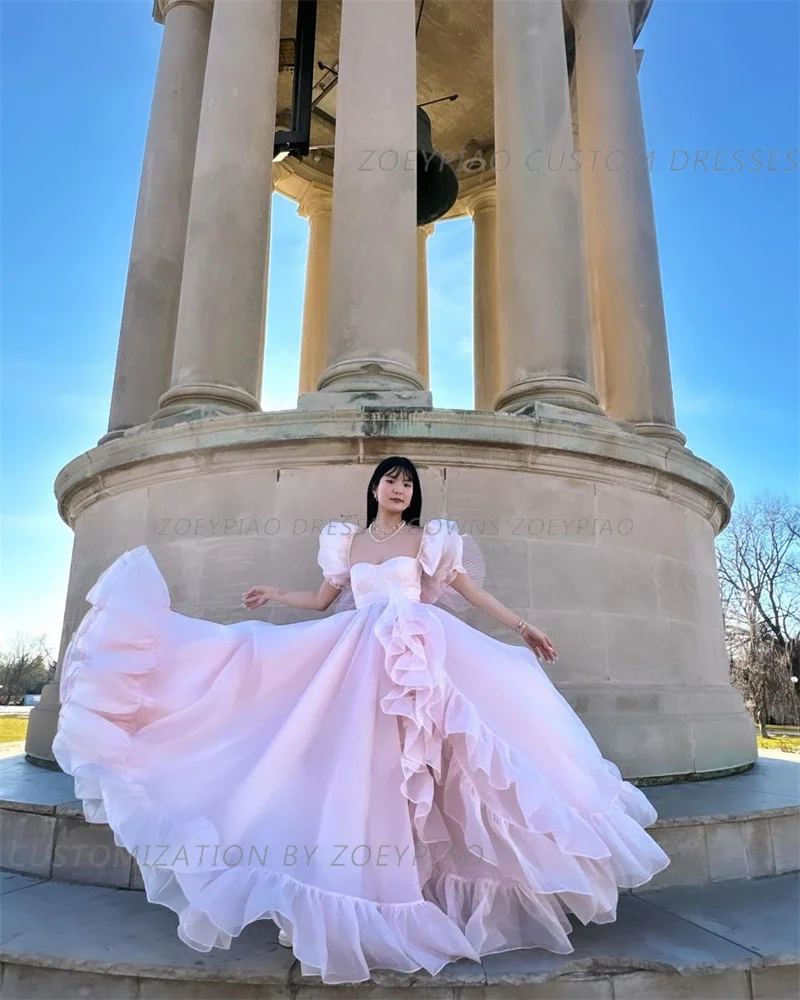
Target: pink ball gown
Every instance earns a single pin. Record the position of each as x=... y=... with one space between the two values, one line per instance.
x=392 y=787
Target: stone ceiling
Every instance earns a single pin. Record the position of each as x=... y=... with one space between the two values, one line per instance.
x=454 y=56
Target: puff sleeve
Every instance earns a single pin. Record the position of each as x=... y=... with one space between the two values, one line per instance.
x=441 y=558
x=334 y=552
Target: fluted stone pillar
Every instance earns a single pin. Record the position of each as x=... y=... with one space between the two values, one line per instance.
x=219 y=346
x=423 y=311
x=544 y=323
x=372 y=344
x=316 y=206
x=482 y=206
x=152 y=292
x=623 y=265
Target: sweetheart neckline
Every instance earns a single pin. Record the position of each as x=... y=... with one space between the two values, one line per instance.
x=390 y=559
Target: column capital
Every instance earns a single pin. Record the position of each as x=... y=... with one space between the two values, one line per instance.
x=315 y=199
x=162 y=7
x=427 y=229
x=480 y=201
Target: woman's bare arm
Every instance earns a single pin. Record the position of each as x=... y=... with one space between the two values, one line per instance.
x=312 y=600
x=486 y=602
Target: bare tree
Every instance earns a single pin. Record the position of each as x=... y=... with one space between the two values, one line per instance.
x=758 y=558
x=26 y=665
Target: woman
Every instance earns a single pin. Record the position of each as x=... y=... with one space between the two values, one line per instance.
x=394 y=788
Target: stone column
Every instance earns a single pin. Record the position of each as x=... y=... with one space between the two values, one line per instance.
x=544 y=324
x=152 y=292
x=372 y=344
x=624 y=272
x=316 y=206
x=423 y=325
x=219 y=344
x=482 y=206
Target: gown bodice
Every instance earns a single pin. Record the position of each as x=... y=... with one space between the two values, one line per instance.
x=424 y=578
x=373 y=582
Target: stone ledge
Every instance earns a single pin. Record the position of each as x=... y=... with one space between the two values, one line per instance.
x=734 y=930
x=553 y=440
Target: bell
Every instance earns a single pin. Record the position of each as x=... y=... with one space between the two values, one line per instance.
x=437 y=184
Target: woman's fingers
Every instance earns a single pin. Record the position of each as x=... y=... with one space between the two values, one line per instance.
x=544 y=648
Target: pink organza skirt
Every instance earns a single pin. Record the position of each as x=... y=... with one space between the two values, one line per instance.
x=393 y=788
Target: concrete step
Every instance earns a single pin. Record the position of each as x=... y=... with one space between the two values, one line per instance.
x=736 y=940
x=744 y=826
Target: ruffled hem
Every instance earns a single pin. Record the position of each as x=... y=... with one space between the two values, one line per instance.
x=338 y=937
x=546 y=856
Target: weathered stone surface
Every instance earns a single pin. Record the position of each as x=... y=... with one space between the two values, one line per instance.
x=555 y=989
x=758 y=848
x=26 y=842
x=644 y=937
x=656 y=986
x=91 y=937
x=727 y=855
x=12 y=882
x=87 y=853
x=175 y=989
x=33 y=909
x=32 y=789
x=785 y=832
x=688 y=854
x=21 y=982
x=757 y=914
x=776 y=983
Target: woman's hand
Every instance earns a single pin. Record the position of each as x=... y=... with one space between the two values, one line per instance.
x=539 y=643
x=256 y=596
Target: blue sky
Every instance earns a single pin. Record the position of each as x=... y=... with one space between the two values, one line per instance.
x=77 y=81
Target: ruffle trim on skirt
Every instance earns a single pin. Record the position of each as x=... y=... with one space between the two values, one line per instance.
x=550 y=857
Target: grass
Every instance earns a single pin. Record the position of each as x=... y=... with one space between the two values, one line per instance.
x=780 y=741
x=13 y=728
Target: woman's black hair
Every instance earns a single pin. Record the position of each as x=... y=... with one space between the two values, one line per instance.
x=395 y=463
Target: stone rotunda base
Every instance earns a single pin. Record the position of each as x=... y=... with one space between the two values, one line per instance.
x=600 y=535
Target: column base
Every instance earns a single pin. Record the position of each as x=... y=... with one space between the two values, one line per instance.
x=665 y=432
x=370 y=375
x=112 y=435
x=560 y=390
x=223 y=399
x=42 y=725
x=354 y=399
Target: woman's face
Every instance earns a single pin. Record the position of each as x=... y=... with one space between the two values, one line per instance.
x=395 y=490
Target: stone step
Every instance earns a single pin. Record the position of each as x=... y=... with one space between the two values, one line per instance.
x=735 y=940
x=743 y=826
